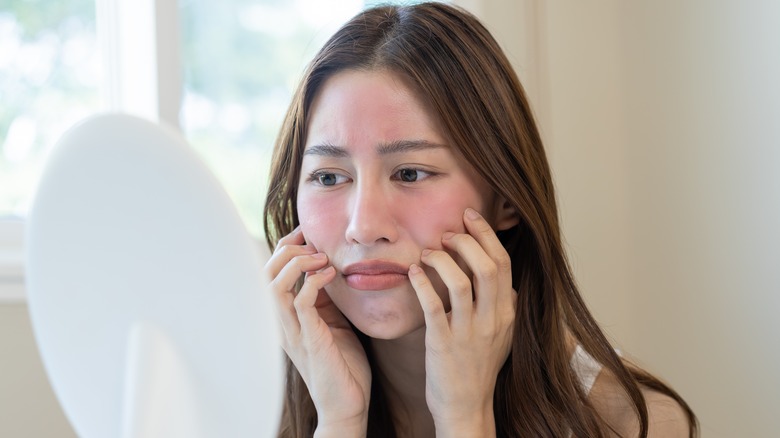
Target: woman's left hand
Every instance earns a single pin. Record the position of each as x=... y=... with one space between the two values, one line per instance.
x=466 y=347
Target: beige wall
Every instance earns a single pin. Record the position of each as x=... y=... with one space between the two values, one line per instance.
x=662 y=122
x=703 y=100
x=28 y=408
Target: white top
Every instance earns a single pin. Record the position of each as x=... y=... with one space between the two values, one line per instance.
x=586 y=368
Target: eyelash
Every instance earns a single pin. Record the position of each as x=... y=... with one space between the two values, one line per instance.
x=428 y=173
x=316 y=175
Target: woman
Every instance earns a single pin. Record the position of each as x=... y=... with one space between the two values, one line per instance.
x=418 y=268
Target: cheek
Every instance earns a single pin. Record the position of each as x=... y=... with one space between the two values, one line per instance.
x=319 y=220
x=435 y=215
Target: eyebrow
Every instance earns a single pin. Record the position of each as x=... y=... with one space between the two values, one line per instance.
x=395 y=147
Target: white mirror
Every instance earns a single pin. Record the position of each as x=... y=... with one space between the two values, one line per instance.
x=145 y=290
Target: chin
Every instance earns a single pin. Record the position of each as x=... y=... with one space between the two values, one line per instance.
x=387 y=332
x=382 y=316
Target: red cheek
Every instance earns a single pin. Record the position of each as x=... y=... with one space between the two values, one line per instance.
x=429 y=219
x=318 y=219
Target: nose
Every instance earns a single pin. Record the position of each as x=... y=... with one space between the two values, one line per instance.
x=371 y=218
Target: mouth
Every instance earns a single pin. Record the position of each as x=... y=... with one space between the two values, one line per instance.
x=375 y=275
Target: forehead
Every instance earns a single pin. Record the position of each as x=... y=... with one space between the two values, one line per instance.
x=355 y=107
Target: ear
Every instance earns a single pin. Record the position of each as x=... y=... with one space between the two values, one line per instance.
x=506 y=215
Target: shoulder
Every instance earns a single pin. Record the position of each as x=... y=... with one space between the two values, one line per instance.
x=666 y=417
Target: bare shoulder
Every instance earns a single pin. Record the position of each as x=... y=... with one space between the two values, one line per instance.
x=666 y=417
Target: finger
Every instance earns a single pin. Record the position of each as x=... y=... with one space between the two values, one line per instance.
x=437 y=327
x=329 y=312
x=482 y=267
x=458 y=287
x=283 y=287
x=304 y=302
x=282 y=257
x=294 y=238
x=288 y=247
x=484 y=234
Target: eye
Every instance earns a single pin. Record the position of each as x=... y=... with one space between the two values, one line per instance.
x=407 y=175
x=410 y=174
x=327 y=179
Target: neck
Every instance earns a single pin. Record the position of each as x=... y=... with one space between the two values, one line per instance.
x=401 y=363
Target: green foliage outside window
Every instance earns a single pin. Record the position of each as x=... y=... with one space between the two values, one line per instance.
x=49 y=79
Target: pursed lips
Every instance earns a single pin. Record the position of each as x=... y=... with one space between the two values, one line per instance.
x=375 y=275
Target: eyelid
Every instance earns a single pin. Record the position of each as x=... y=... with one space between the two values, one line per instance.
x=428 y=173
x=315 y=175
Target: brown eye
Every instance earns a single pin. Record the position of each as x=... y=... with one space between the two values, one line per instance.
x=407 y=175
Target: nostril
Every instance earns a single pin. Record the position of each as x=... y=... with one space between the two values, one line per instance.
x=369 y=229
x=370 y=215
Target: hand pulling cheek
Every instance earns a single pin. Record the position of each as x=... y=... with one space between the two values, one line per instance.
x=472 y=214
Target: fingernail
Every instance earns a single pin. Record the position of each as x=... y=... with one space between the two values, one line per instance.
x=414 y=269
x=329 y=270
x=319 y=255
x=472 y=214
x=447 y=235
x=426 y=252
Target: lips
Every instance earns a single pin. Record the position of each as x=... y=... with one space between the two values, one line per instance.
x=375 y=275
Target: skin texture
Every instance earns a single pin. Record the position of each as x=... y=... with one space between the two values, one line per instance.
x=376 y=216
x=381 y=187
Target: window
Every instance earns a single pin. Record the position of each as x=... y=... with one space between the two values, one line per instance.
x=49 y=79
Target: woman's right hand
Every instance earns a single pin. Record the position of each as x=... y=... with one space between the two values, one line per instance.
x=318 y=338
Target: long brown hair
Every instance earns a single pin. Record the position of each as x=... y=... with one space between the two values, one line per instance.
x=458 y=69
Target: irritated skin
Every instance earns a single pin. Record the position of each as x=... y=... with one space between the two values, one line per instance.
x=370 y=214
x=396 y=237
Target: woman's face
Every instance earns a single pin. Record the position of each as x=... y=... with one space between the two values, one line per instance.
x=379 y=184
